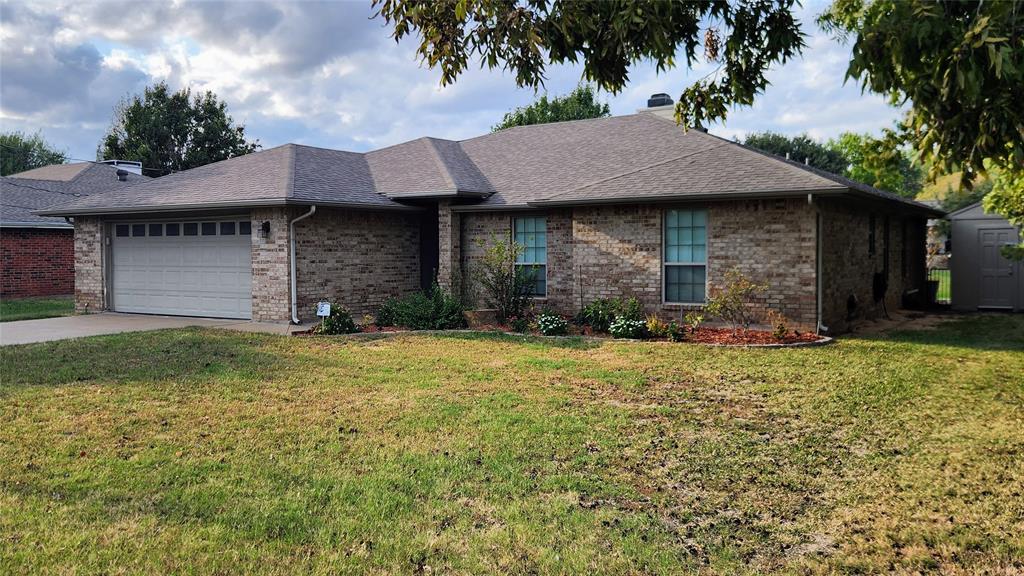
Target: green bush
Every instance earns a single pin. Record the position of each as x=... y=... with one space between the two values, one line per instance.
x=600 y=313
x=506 y=287
x=519 y=324
x=552 y=324
x=676 y=333
x=623 y=327
x=437 y=309
x=735 y=302
x=339 y=322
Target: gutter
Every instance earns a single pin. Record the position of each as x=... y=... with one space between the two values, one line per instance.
x=38 y=225
x=716 y=196
x=205 y=206
x=291 y=241
x=818 y=267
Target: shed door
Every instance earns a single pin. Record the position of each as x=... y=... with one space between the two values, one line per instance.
x=183 y=268
x=998 y=284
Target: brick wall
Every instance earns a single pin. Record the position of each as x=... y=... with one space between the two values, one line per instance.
x=449 y=270
x=89 y=275
x=772 y=242
x=477 y=231
x=356 y=258
x=615 y=251
x=36 y=262
x=271 y=282
x=849 y=264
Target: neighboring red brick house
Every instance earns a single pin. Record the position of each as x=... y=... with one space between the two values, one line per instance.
x=622 y=206
x=37 y=255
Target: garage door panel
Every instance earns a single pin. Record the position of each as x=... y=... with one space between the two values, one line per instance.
x=209 y=275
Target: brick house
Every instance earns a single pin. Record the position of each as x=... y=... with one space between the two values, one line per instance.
x=37 y=256
x=622 y=206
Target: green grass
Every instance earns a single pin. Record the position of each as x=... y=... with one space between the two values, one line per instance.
x=30 y=308
x=203 y=451
x=942 y=295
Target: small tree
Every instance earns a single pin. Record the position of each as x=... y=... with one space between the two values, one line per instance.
x=734 y=302
x=506 y=286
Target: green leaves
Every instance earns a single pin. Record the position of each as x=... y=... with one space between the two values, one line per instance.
x=579 y=104
x=20 y=152
x=173 y=131
x=958 y=63
x=606 y=37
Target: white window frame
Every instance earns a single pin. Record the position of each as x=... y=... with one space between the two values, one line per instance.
x=665 y=263
x=544 y=264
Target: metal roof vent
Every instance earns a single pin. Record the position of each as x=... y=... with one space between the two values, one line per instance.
x=122 y=175
x=659 y=99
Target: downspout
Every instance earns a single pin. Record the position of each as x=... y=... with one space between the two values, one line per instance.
x=818 y=266
x=291 y=242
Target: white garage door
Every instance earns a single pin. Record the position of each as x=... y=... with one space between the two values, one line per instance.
x=183 y=268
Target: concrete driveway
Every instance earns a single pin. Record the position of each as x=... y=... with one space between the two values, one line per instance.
x=48 y=329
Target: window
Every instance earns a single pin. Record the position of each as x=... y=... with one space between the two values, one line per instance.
x=156 y=229
x=138 y=229
x=209 y=228
x=685 y=256
x=172 y=229
x=121 y=230
x=190 y=228
x=245 y=228
x=227 y=228
x=532 y=235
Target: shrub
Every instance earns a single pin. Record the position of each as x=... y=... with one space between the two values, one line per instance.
x=779 y=324
x=519 y=324
x=623 y=327
x=656 y=327
x=600 y=313
x=437 y=309
x=676 y=333
x=734 y=303
x=693 y=320
x=552 y=324
x=506 y=286
x=339 y=322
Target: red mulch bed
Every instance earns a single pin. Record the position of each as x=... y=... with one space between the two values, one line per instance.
x=373 y=328
x=721 y=336
x=747 y=337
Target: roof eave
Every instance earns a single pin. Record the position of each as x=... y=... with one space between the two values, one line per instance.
x=44 y=225
x=441 y=194
x=222 y=205
x=906 y=203
x=788 y=193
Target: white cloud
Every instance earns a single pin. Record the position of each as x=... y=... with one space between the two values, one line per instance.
x=325 y=74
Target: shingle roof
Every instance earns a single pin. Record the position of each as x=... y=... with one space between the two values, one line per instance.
x=281 y=175
x=25 y=192
x=639 y=157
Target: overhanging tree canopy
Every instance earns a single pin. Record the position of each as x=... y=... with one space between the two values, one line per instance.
x=743 y=38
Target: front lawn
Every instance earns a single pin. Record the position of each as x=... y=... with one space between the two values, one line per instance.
x=30 y=308
x=204 y=451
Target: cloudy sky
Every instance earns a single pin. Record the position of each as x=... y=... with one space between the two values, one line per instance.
x=327 y=74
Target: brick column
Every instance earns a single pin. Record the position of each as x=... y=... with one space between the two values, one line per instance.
x=89 y=279
x=449 y=250
x=271 y=290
